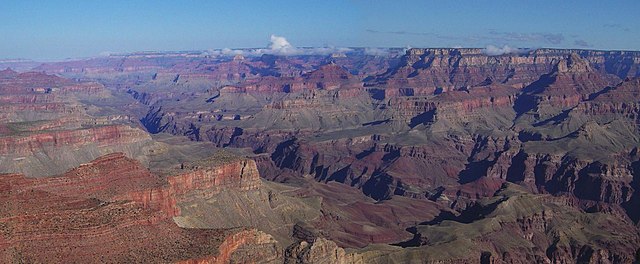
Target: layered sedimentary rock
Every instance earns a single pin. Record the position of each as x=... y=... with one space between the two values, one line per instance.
x=108 y=210
x=562 y=78
x=281 y=210
x=113 y=209
x=571 y=81
x=327 y=77
x=319 y=251
x=103 y=135
x=516 y=227
x=362 y=158
x=432 y=70
x=51 y=125
x=619 y=100
x=249 y=246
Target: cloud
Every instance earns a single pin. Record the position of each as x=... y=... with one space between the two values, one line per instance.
x=376 y=51
x=227 y=51
x=212 y=52
x=492 y=50
x=279 y=45
x=581 y=43
x=617 y=26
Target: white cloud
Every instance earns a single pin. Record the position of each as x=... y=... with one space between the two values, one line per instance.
x=376 y=51
x=228 y=51
x=280 y=46
x=280 y=43
x=492 y=50
x=213 y=52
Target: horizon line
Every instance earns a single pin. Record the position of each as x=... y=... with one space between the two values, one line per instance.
x=200 y=51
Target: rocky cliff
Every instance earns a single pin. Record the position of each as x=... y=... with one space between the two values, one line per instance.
x=96 y=213
x=431 y=70
x=368 y=147
x=51 y=124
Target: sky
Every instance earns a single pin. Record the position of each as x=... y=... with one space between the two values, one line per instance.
x=60 y=29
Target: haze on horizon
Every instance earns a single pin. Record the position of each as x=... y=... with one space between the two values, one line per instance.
x=54 y=30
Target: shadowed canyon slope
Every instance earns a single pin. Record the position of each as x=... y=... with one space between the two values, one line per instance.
x=423 y=155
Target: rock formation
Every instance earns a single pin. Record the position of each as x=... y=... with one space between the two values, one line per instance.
x=114 y=210
x=442 y=155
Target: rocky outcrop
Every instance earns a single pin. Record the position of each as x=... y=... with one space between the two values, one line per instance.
x=380 y=170
x=24 y=152
x=113 y=209
x=105 y=135
x=52 y=125
x=249 y=246
x=201 y=180
x=429 y=70
x=620 y=100
x=540 y=228
x=240 y=175
x=319 y=251
x=116 y=177
x=326 y=77
x=571 y=81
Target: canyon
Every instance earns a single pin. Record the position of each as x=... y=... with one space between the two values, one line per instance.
x=422 y=155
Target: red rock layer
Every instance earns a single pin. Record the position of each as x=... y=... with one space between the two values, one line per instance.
x=427 y=70
x=623 y=99
x=202 y=183
x=454 y=104
x=326 y=77
x=230 y=251
x=114 y=210
x=103 y=135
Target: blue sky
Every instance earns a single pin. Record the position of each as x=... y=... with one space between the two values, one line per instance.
x=57 y=29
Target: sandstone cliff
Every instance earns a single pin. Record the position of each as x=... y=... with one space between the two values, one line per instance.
x=96 y=213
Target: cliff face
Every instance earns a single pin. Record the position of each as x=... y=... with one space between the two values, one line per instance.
x=319 y=251
x=113 y=209
x=103 y=208
x=617 y=100
x=326 y=77
x=105 y=135
x=370 y=147
x=541 y=228
x=198 y=181
x=50 y=124
x=242 y=175
x=23 y=152
x=250 y=246
x=426 y=70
